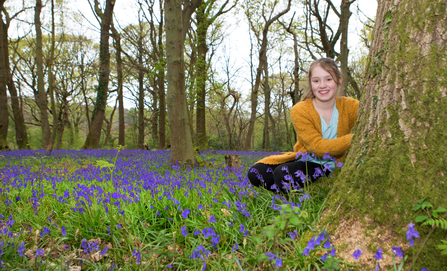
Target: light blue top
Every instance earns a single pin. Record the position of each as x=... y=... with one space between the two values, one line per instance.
x=329 y=132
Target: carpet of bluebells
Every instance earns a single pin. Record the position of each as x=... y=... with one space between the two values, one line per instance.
x=131 y=210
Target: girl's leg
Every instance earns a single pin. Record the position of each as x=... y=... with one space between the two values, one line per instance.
x=294 y=175
x=262 y=175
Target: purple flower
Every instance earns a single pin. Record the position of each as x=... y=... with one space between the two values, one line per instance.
x=235 y=247
x=327 y=156
x=196 y=232
x=212 y=219
x=398 y=251
x=21 y=249
x=241 y=228
x=378 y=255
x=357 y=254
x=136 y=253
x=184 y=231
x=278 y=262
x=292 y=234
x=378 y=267
x=327 y=244
x=104 y=251
x=39 y=252
x=327 y=167
x=119 y=225
x=269 y=170
x=270 y=255
x=424 y=269
x=323 y=258
x=63 y=232
x=318 y=173
x=185 y=213
x=411 y=234
x=332 y=252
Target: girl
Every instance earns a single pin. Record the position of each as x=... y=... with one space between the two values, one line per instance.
x=323 y=124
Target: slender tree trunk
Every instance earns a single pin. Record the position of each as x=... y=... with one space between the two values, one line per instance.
x=94 y=134
x=201 y=75
x=109 y=125
x=119 y=68
x=41 y=95
x=64 y=122
x=398 y=151
x=51 y=75
x=140 y=88
x=177 y=20
x=344 y=51
x=266 y=109
x=84 y=94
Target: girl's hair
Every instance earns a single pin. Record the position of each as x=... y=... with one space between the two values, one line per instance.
x=327 y=64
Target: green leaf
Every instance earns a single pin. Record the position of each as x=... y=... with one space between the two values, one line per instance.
x=421 y=218
x=426 y=205
x=283 y=225
x=270 y=232
x=421 y=200
x=440 y=210
x=103 y=164
x=416 y=207
x=294 y=220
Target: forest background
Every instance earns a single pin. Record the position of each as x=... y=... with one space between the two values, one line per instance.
x=233 y=50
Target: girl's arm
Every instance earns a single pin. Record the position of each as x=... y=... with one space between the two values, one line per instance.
x=312 y=139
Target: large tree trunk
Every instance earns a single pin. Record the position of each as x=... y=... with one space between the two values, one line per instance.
x=177 y=20
x=41 y=95
x=398 y=154
x=19 y=123
x=51 y=77
x=94 y=133
x=4 y=115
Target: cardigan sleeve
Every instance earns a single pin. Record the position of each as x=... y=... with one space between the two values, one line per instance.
x=312 y=139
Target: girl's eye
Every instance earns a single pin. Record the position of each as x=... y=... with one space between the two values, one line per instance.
x=329 y=79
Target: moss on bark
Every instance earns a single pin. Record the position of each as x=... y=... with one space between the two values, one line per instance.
x=398 y=153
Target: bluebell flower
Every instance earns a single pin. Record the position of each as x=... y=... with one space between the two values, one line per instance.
x=21 y=249
x=378 y=267
x=185 y=213
x=323 y=258
x=270 y=255
x=378 y=255
x=424 y=269
x=411 y=234
x=104 y=251
x=63 y=232
x=235 y=247
x=184 y=231
x=136 y=253
x=278 y=262
x=39 y=252
x=398 y=251
x=212 y=219
x=357 y=254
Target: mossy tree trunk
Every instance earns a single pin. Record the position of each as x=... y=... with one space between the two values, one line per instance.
x=94 y=134
x=398 y=152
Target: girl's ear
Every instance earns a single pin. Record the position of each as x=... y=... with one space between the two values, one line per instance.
x=341 y=81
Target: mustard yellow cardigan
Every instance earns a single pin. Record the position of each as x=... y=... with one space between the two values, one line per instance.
x=307 y=123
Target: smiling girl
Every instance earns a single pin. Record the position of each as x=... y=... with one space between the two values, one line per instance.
x=323 y=124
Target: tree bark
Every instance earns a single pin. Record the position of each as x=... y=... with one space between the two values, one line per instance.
x=181 y=141
x=40 y=94
x=119 y=68
x=398 y=151
x=94 y=134
x=345 y=14
x=4 y=115
x=140 y=85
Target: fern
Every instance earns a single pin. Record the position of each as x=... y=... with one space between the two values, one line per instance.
x=443 y=247
x=442 y=223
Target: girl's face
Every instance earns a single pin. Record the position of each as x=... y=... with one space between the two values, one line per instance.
x=323 y=85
